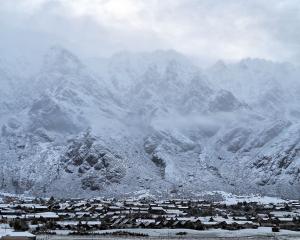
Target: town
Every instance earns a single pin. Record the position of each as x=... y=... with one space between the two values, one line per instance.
x=29 y=217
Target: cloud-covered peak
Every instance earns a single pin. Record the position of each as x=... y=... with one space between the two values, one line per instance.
x=61 y=60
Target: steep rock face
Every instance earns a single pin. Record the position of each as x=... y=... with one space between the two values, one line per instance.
x=224 y=101
x=150 y=121
x=96 y=165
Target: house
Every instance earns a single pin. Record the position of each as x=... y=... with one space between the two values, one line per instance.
x=156 y=210
x=175 y=212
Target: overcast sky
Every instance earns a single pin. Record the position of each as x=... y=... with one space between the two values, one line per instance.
x=206 y=29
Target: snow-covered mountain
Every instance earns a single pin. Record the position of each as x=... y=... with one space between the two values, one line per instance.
x=149 y=121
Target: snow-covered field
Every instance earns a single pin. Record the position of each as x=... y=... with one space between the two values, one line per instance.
x=231 y=199
x=260 y=233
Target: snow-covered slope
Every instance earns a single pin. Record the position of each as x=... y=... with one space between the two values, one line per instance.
x=149 y=121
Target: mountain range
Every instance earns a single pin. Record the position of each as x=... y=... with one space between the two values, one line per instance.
x=148 y=122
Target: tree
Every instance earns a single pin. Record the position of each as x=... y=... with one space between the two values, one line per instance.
x=19 y=225
x=287 y=207
x=50 y=225
x=34 y=222
x=51 y=200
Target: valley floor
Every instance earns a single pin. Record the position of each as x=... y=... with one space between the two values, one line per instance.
x=161 y=234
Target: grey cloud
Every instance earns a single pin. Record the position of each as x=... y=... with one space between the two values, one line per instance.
x=211 y=30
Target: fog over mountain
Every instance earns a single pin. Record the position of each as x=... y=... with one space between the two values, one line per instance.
x=150 y=121
x=79 y=117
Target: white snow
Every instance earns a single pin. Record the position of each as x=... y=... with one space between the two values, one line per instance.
x=261 y=232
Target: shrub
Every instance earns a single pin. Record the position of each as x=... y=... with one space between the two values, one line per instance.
x=275 y=229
